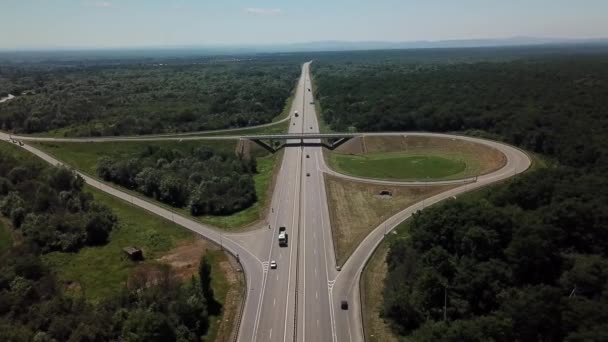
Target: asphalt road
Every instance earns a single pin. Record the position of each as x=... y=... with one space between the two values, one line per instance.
x=300 y=300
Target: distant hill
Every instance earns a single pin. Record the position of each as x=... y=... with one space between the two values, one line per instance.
x=180 y=51
x=335 y=45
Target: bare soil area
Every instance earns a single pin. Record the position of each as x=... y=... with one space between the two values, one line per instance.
x=185 y=258
x=357 y=208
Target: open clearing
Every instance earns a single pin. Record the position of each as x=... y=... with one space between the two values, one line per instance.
x=101 y=271
x=84 y=157
x=355 y=209
x=414 y=158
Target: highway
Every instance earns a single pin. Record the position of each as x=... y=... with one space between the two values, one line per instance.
x=300 y=299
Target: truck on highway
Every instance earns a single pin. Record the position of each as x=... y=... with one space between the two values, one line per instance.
x=283 y=236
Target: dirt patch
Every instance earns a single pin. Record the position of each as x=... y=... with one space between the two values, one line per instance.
x=243 y=148
x=356 y=209
x=186 y=257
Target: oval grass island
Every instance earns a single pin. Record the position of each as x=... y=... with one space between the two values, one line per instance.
x=414 y=158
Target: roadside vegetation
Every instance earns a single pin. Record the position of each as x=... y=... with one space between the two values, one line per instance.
x=216 y=181
x=350 y=224
x=375 y=326
x=54 y=288
x=76 y=98
x=526 y=261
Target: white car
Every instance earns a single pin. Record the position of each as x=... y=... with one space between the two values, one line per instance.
x=273 y=264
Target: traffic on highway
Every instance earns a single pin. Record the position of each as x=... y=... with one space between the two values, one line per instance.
x=295 y=289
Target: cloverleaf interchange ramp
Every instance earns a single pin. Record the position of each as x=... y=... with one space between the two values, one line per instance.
x=300 y=300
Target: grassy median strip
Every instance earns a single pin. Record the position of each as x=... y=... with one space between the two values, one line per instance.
x=357 y=208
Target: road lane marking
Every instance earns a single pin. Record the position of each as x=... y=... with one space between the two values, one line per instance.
x=293 y=222
x=274 y=301
x=281 y=194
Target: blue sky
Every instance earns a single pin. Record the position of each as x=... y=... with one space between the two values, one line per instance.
x=132 y=23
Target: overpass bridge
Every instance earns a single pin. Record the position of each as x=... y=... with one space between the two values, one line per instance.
x=275 y=142
x=271 y=142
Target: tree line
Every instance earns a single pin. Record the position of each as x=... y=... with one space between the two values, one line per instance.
x=205 y=181
x=526 y=260
x=49 y=207
x=49 y=211
x=155 y=306
x=545 y=104
x=84 y=99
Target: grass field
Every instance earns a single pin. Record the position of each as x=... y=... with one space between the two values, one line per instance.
x=402 y=165
x=414 y=158
x=372 y=287
x=281 y=127
x=97 y=272
x=84 y=157
x=350 y=224
x=101 y=271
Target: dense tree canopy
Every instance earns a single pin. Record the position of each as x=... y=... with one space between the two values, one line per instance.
x=205 y=181
x=48 y=206
x=527 y=261
x=33 y=307
x=50 y=211
x=145 y=97
x=552 y=105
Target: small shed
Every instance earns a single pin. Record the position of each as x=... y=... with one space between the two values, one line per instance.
x=134 y=253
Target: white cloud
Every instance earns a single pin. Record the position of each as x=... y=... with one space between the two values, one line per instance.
x=263 y=11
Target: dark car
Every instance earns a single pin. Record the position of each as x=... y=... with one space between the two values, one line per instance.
x=344 y=305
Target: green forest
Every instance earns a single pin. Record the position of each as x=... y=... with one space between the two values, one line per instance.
x=49 y=211
x=526 y=260
x=48 y=206
x=142 y=97
x=205 y=181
